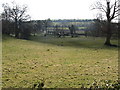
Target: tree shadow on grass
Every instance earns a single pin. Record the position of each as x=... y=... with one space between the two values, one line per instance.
x=7 y=38
x=79 y=42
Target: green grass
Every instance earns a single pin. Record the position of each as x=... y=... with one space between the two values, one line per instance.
x=58 y=62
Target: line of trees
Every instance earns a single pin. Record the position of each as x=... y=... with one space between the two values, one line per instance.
x=16 y=22
x=99 y=29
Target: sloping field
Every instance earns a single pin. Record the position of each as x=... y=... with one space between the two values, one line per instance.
x=58 y=62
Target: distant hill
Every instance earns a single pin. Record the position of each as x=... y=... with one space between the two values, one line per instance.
x=73 y=20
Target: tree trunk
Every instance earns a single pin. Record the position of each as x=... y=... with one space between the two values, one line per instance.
x=109 y=34
x=107 y=42
x=16 y=34
x=16 y=29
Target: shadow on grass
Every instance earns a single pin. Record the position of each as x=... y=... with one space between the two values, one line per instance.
x=78 y=42
x=7 y=37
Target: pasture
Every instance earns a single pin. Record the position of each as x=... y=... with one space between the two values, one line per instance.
x=58 y=62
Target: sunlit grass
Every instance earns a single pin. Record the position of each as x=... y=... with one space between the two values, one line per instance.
x=58 y=62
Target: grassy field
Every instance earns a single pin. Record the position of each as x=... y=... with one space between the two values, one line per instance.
x=58 y=62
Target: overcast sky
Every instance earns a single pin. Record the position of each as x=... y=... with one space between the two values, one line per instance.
x=58 y=9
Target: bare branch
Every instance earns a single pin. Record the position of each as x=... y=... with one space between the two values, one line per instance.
x=116 y=16
x=114 y=11
x=117 y=10
x=114 y=4
x=118 y=6
x=27 y=17
x=22 y=12
x=100 y=7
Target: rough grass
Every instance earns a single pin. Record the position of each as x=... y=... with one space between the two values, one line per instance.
x=58 y=62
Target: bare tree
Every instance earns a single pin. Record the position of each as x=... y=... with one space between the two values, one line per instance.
x=16 y=14
x=111 y=12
